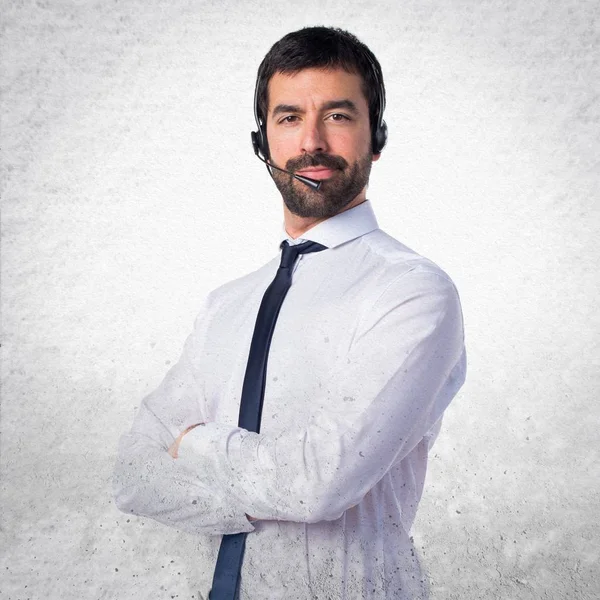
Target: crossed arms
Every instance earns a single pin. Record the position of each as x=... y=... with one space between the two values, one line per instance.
x=405 y=364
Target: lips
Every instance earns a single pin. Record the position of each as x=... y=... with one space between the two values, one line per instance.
x=317 y=173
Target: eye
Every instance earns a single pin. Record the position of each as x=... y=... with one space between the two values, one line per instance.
x=339 y=117
x=288 y=119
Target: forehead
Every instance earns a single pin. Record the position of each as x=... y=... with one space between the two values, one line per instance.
x=315 y=86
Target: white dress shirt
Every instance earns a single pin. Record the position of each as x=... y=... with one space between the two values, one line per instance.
x=367 y=352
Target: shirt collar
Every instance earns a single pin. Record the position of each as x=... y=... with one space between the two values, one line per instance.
x=340 y=228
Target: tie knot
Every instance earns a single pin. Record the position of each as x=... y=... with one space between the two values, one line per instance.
x=289 y=253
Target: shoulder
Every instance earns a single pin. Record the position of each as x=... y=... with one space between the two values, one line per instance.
x=411 y=295
x=241 y=287
x=398 y=265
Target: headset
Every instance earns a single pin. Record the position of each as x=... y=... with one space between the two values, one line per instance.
x=379 y=130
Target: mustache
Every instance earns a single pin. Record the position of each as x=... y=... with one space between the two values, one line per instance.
x=329 y=161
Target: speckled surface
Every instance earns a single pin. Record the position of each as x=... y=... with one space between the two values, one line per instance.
x=127 y=177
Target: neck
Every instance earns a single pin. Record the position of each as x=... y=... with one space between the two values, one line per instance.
x=296 y=226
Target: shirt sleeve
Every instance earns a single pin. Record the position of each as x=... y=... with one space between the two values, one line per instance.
x=406 y=362
x=148 y=482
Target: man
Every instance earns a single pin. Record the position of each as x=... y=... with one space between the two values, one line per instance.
x=365 y=354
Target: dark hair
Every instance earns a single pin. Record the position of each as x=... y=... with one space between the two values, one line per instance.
x=327 y=48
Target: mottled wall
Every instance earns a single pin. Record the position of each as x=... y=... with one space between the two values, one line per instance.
x=129 y=190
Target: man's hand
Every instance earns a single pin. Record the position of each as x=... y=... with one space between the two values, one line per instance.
x=174 y=448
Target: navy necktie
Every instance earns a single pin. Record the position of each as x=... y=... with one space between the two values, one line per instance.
x=226 y=579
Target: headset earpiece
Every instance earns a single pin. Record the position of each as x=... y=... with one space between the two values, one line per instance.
x=259 y=137
x=379 y=131
x=263 y=143
x=259 y=142
x=380 y=137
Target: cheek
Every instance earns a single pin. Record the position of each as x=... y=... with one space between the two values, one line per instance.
x=281 y=145
x=353 y=141
x=351 y=148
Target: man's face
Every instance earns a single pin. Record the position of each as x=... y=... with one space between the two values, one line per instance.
x=318 y=126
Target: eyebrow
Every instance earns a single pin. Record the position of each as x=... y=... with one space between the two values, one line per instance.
x=332 y=104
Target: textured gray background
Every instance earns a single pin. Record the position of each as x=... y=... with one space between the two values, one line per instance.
x=129 y=182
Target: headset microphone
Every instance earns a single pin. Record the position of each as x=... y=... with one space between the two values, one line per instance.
x=314 y=184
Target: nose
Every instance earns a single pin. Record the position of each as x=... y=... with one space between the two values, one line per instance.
x=313 y=136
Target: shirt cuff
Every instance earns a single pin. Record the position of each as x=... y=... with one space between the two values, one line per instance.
x=196 y=449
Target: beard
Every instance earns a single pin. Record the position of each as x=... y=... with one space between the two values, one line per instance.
x=334 y=194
